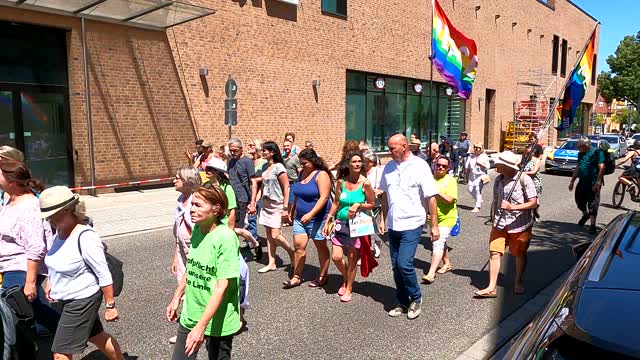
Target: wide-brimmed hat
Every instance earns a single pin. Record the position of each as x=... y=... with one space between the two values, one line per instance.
x=55 y=199
x=207 y=144
x=216 y=163
x=509 y=159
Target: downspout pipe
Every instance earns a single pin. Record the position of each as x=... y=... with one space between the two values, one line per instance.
x=87 y=99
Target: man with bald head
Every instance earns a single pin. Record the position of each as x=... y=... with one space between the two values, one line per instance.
x=409 y=190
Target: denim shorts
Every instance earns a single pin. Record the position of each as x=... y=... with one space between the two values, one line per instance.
x=313 y=228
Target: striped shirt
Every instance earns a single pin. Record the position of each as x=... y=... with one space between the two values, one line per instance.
x=514 y=221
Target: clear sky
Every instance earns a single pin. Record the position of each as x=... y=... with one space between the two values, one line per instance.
x=618 y=18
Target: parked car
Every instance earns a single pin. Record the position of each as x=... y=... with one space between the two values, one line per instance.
x=618 y=143
x=565 y=157
x=632 y=139
x=596 y=311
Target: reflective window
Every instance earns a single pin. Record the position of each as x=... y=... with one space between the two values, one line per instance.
x=335 y=7
x=379 y=106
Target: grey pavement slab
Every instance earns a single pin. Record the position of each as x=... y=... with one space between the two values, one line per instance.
x=122 y=213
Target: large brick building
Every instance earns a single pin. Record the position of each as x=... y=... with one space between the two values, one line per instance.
x=324 y=69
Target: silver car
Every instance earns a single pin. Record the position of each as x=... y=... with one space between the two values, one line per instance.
x=618 y=143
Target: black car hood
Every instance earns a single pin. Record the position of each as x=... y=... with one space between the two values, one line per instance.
x=611 y=318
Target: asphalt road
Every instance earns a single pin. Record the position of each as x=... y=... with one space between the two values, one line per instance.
x=308 y=323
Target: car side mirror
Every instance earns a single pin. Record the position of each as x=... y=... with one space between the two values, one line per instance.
x=580 y=249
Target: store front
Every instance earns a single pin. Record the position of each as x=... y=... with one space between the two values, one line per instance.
x=34 y=99
x=379 y=106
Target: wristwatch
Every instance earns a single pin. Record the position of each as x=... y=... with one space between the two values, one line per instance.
x=110 y=305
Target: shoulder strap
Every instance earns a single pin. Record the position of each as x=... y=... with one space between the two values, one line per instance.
x=79 y=237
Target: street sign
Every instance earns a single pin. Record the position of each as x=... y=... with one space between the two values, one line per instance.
x=231 y=118
x=230 y=88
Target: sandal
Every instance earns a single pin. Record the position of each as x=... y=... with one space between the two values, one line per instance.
x=444 y=270
x=487 y=295
x=290 y=285
x=266 y=269
x=345 y=298
x=428 y=279
x=317 y=283
x=342 y=290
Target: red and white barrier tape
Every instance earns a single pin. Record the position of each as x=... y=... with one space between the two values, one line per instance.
x=121 y=184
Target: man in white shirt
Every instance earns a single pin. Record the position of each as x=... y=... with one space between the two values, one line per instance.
x=409 y=189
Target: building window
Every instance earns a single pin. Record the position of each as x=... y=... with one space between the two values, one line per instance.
x=600 y=103
x=563 y=59
x=403 y=106
x=335 y=7
x=554 y=55
x=593 y=69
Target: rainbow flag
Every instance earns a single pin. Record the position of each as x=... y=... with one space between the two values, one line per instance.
x=576 y=88
x=453 y=53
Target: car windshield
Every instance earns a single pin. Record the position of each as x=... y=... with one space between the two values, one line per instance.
x=636 y=136
x=568 y=348
x=611 y=139
x=573 y=145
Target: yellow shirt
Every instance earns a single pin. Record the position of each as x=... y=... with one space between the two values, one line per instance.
x=447 y=213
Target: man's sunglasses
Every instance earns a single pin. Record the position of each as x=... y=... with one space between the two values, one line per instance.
x=444 y=166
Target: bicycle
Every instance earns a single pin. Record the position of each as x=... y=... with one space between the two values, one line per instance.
x=621 y=189
x=458 y=171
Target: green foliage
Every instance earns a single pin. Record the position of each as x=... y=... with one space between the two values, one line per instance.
x=599 y=119
x=623 y=82
x=622 y=117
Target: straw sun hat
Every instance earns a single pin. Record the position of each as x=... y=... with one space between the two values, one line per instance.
x=55 y=199
x=508 y=159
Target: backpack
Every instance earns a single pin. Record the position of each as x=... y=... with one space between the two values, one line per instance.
x=609 y=157
x=17 y=326
x=115 y=266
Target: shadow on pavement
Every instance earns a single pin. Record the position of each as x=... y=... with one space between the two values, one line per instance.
x=97 y=355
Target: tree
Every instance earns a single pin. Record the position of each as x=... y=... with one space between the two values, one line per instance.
x=599 y=119
x=623 y=82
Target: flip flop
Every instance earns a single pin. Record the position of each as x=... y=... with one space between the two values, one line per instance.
x=266 y=269
x=345 y=298
x=342 y=290
x=492 y=295
x=444 y=270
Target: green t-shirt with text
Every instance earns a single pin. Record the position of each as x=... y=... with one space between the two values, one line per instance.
x=212 y=257
x=447 y=213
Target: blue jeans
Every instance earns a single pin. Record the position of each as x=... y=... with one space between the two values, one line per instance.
x=44 y=314
x=402 y=246
x=252 y=221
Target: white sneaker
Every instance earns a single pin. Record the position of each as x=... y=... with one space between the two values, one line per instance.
x=376 y=251
x=172 y=340
x=398 y=311
x=414 y=310
x=358 y=263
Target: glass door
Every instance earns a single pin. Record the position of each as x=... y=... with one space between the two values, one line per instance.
x=46 y=136
x=7 y=120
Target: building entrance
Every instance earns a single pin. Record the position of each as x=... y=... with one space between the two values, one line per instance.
x=34 y=100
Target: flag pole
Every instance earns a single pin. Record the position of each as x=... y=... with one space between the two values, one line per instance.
x=431 y=76
x=550 y=118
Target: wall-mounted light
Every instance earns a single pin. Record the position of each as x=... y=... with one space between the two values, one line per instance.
x=570 y=47
x=514 y=24
x=379 y=83
x=480 y=99
x=529 y=31
x=448 y=91
x=477 y=7
x=315 y=82
x=577 y=52
x=541 y=37
x=497 y=17
x=204 y=71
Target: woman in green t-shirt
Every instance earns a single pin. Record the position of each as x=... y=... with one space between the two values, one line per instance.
x=211 y=309
x=446 y=199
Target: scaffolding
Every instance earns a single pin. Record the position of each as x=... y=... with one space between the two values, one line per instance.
x=534 y=92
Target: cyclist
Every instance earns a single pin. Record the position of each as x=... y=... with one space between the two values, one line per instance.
x=460 y=152
x=633 y=171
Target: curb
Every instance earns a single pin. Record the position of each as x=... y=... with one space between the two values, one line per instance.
x=496 y=342
x=138 y=231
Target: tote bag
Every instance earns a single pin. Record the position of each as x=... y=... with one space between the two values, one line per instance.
x=361 y=225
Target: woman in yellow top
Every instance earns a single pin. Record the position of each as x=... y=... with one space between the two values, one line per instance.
x=447 y=216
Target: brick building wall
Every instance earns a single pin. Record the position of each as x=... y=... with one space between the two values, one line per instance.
x=149 y=102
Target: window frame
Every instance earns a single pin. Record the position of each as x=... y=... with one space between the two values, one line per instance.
x=563 y=59
x=555 y=47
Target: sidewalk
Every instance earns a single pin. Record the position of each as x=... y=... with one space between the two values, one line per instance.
x=135 y=211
